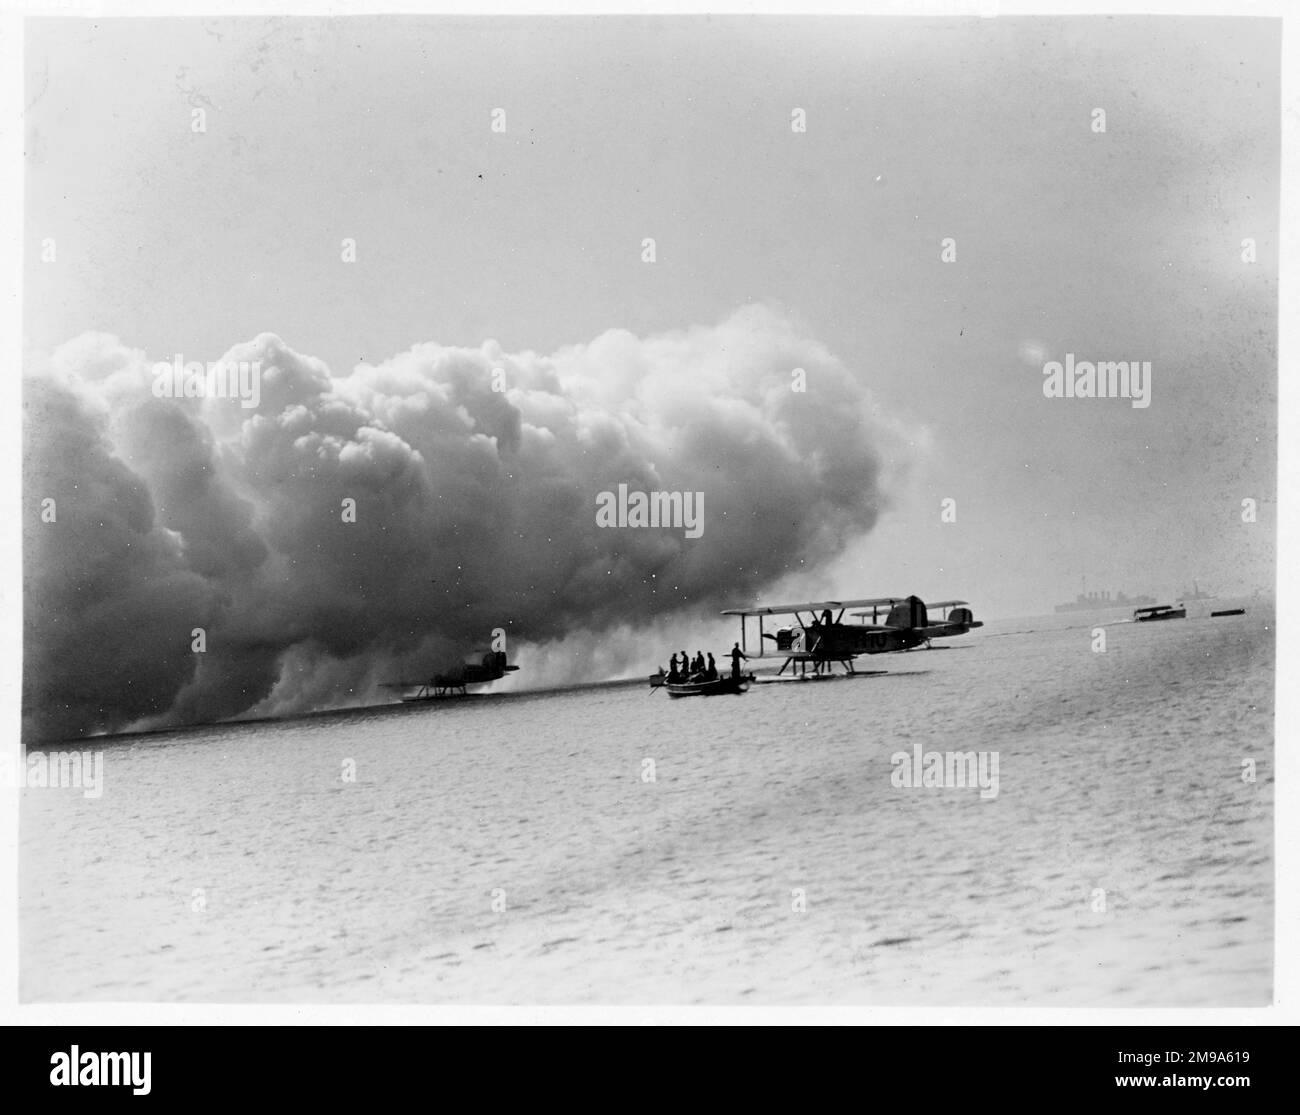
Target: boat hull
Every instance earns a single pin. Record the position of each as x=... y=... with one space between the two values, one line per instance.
x=707 y=688
x=1173 y=613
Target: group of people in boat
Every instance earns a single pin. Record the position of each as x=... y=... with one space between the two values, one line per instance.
x=702 y=667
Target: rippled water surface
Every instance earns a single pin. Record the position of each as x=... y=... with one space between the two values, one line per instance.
x=771 y=859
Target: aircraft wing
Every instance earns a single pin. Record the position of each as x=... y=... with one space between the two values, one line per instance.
x=928 y=604
x=811 y=605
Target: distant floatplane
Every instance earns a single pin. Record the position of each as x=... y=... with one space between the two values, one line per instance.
x=492 y=667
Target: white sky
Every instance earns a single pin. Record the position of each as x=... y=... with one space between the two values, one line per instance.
x=1117 y=246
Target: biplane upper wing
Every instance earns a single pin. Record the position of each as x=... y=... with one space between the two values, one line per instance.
x=811 y=605
x=930 y=606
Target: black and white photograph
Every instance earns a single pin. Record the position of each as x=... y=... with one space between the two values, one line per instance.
x=736 y=509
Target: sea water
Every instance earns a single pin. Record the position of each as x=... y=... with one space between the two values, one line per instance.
x=610 y=844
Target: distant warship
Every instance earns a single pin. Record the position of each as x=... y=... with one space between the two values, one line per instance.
x=1093 y=601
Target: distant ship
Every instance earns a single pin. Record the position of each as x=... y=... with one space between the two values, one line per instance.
x=1093 y=601
x=1196 y=594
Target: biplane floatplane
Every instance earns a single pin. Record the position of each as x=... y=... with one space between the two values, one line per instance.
x=821 y=638
x=492 y=667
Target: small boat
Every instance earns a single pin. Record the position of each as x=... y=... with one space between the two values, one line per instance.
x=714 y=688
x=1160 y=611
x=1229 y=612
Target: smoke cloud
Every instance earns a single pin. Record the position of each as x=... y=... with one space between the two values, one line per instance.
x=475 y=474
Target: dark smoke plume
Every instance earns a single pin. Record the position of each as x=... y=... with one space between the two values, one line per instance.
x=475 y=510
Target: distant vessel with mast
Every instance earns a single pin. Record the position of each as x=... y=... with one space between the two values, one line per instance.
x=1094 y=601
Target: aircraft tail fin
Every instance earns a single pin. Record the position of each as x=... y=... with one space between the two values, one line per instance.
x=494 y=661
x=907 y=614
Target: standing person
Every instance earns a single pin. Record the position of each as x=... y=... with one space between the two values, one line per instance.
x=736 y=655
x=698 y=664
x=711 y=670
x=672 y=670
